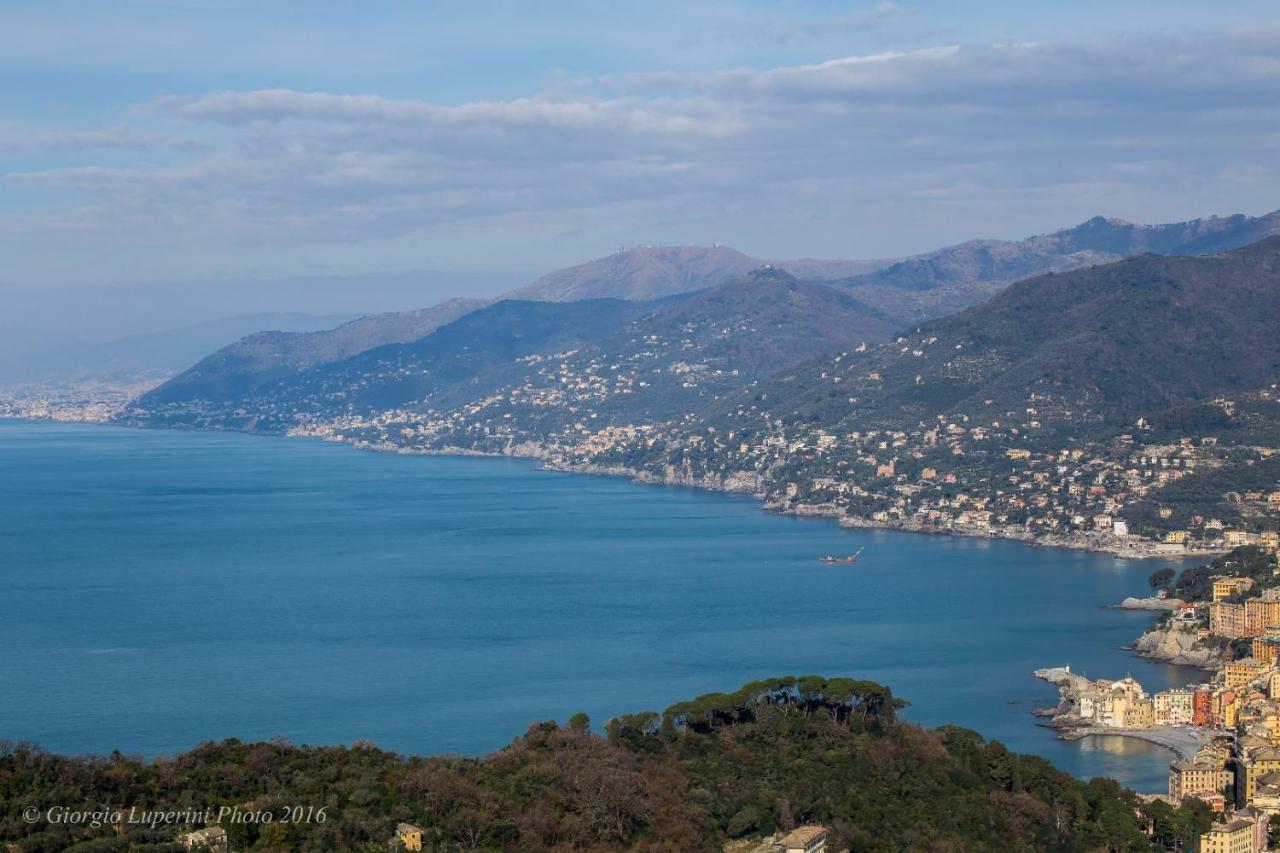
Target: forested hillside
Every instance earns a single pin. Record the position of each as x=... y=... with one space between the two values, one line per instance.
x=777 y=753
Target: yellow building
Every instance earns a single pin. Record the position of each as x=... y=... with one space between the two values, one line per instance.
x=1255 y=763
x=410 y=836
x=1119 y=704
x=1233 y=837
x=1260 y=614
x=1224 y=705
x=1226 y=620
x=1266 y=648
x=1238 y=673
x=1197 y=778
x=1227 y=587
x=1139 y=714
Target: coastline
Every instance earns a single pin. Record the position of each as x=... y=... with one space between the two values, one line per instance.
x=738 y=483
x=748 y=484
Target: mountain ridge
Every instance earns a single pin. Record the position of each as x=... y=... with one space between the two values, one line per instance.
x=900 y=294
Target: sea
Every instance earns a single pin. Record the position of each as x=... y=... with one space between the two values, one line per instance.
x=160 y=588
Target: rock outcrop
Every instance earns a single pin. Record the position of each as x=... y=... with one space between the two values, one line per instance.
x=1153 y=603
x=1179 y=645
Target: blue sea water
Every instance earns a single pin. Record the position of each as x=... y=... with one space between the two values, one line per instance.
x=158 y=589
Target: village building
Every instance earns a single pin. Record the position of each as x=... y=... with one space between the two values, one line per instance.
x=1234 y=836
x=212 y=839
x=1238 y=673
x=1173 y=707
x=804 y=839
x=1200 y=778
x=410 y=836
x=1227 y=587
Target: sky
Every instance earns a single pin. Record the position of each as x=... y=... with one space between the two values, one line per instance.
x=145 y=142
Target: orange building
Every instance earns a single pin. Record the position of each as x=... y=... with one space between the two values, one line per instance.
x=1202 y=708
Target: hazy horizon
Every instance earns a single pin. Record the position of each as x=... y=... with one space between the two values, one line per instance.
x=496 y=138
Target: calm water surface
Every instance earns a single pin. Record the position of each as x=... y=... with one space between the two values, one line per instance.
x=158 y=589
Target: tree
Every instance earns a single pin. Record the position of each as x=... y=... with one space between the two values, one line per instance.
x=1160 y=578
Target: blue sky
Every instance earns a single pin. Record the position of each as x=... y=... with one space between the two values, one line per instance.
x=154 y=141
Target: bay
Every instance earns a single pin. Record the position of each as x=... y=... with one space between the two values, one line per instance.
x=158 y=589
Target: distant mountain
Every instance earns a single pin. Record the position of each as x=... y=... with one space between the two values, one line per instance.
x=898 y=293
x=393 y=376
x=882 y=296
x=685 y=354
x=915 y=288
x=1085 y=348
x=765 y=319
x=642 y=274
x=955 y=277
x=660 y=358
x=47 y=358
x=259 y=359
x=651 y=272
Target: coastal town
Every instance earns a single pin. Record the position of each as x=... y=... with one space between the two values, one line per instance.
x=88 y=400
x=1226 y=730
x=1136 y=494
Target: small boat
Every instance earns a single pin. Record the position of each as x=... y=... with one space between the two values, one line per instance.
x=852 y=558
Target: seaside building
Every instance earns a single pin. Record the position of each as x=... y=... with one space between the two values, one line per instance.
x=1266 y=648
x=1238 y=673
x=1173 y=707
x=1119 y=704
x=1252 y=764
x=1202 y=777
x=1202 y=707
x=1262 y=613
x=1226 y=619
x=1226 y=707
x=1227 y=587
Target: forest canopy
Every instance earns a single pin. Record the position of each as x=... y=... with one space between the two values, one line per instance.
x=774 y=754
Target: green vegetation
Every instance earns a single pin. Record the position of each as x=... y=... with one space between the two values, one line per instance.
x=776 y=753
x=1250 y=561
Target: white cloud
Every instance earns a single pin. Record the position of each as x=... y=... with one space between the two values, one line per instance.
x=861 y=143
x=81 y=140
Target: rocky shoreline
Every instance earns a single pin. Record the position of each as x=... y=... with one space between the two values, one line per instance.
x=1153 y=604
x=744 y=483
x=1179 y=646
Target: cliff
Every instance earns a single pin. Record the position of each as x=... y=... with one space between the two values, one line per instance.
x=1179 y=646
